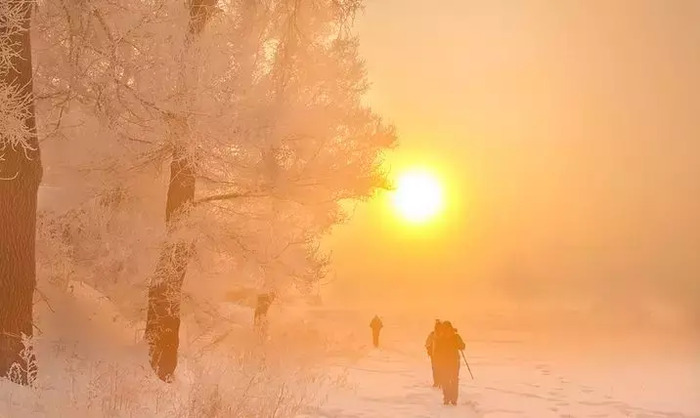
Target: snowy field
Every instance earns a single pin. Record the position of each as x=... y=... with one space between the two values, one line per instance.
x=516 y=379
x=93 y=364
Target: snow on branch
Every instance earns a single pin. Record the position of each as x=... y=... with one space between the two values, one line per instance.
x=14 y=100
x=226 y=196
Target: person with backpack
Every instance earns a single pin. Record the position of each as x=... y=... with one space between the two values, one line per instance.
x=376 y=326
x=448 y=345
x=429 y=348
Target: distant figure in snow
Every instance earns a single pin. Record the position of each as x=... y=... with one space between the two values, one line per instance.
x=261 y=308
x=376 y=326
x=446 y=350
x=430 y=348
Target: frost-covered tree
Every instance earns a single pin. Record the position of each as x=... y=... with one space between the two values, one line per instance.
x=256 y=108
x=164 y=292
x=20 y=175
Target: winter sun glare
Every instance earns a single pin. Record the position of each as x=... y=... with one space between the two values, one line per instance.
x=418 y=197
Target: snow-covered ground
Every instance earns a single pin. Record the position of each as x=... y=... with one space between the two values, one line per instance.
x=515 y=379
x=318 y=360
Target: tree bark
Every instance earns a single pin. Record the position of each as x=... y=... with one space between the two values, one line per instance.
x=20 y=175
x=165 y=291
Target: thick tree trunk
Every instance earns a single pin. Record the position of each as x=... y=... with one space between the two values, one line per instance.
x=163 y=318
x=20 y=175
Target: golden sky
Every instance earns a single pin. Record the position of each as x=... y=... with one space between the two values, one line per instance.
x=568 y=137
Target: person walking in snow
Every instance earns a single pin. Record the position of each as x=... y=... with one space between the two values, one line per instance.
x=446 y=350
x=429 y=348
x=376 y=326
x=260 y=315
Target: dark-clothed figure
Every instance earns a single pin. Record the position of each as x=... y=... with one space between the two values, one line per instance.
x=448 y=344
x=429 y=348
x=376 y=326
x=261 y=308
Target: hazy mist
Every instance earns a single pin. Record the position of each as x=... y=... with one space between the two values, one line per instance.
x=567 y=137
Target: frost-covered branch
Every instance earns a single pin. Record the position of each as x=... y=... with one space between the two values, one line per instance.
x=15 y=100
x=226 y=196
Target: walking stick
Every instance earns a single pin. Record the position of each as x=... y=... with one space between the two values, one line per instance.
x=465 y=362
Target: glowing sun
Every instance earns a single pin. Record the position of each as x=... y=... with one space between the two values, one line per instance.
x=418 y=196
